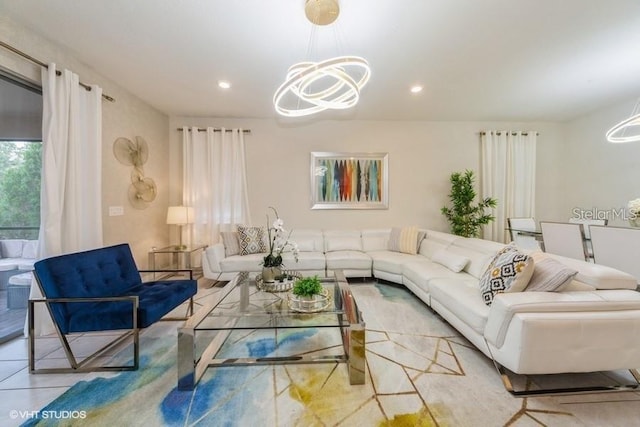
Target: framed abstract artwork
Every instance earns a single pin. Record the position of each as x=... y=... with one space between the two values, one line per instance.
x=349 y=180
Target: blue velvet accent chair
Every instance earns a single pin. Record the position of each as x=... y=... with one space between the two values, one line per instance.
x=102 y=290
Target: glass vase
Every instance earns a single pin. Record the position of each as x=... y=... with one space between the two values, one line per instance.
x=269 y=274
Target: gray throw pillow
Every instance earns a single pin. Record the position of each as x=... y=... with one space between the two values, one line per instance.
x=231 y=243
x=550 y=275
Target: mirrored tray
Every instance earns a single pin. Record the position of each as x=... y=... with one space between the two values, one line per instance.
x=285 y=285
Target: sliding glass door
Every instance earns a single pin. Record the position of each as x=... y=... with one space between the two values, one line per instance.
x=20 y=172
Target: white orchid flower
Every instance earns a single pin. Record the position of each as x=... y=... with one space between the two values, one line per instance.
x=278 y=224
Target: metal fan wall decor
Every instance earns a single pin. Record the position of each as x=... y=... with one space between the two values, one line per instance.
x=142 y=190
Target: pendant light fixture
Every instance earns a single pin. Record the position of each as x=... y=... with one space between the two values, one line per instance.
x=627 y=130
x=312 y=87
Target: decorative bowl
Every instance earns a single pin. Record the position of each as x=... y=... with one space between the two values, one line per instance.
x=311 y=304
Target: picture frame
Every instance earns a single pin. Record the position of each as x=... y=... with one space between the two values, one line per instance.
x=349 y=180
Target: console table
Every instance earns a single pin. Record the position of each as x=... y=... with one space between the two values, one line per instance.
x=180 y=258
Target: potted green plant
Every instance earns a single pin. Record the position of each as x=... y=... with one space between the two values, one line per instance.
x=308 y=295
x=307 y=287
x=465 y=216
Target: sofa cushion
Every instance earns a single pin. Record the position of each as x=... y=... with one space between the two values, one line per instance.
x=11 y=248
x=391 y=262
x=231 y=243
x=342 y=240
x=510 y=271
x=251 y=239
x=375 y=239
x=422 y=271
x=453 y=262
x=30 y=249
x=350 y=260
x=462 y=298
x=550 y=275
x=434 y=241
x=7 y=264
x=306 y=261
x=478 y=261
x=234 y=263
x=404 y=240
x=480 y=253
x=307 y=240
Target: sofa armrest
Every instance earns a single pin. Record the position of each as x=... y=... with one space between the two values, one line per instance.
x=597 y=275
x=507 y=305
x=211 y=259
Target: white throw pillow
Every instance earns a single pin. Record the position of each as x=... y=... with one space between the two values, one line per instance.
x=30 y=249
x=11 y=248
x=453 y=262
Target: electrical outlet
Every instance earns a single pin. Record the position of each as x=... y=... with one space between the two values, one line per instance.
x=116 y=210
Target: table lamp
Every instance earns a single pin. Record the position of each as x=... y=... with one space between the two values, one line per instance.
x=180 y=215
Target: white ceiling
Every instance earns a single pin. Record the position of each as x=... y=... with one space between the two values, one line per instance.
x=511 y=60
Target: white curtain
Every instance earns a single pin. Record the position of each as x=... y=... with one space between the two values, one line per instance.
x=508 y=174
x=214 y=182
x=71 y=189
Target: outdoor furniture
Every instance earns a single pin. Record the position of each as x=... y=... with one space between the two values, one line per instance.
x=101 y=290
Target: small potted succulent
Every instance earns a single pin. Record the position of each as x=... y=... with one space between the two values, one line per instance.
x=308 y=295
x=307 y=287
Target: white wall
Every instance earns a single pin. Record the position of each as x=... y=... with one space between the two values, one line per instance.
x=598 y=175
x=127 y=117
x=422 y=155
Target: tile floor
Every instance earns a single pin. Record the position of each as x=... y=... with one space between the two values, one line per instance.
x=22 y=394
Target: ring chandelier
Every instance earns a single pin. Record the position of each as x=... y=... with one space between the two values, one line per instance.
x=312 y=87
x=322 y=85
x=617 y=133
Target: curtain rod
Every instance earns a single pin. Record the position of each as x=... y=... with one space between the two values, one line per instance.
x=217 y=130
x=512 y=133
x=42 y=64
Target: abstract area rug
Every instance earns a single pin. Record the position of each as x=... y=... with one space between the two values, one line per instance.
x=420 y=372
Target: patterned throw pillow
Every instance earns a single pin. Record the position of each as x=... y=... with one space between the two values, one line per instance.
x=404 y=240
x=251 y=240
x=510 y=271
x=230 y=242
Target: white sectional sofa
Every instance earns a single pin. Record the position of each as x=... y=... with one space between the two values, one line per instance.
x=590 y=324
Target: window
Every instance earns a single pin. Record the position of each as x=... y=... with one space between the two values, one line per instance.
x=20 y=176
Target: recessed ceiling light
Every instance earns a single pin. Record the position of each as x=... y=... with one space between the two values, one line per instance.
x=223 y=84
x=416 y=89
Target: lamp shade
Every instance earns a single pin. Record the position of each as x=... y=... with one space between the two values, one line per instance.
x=180 y=215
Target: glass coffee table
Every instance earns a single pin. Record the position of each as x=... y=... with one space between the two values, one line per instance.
x=240 y=309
